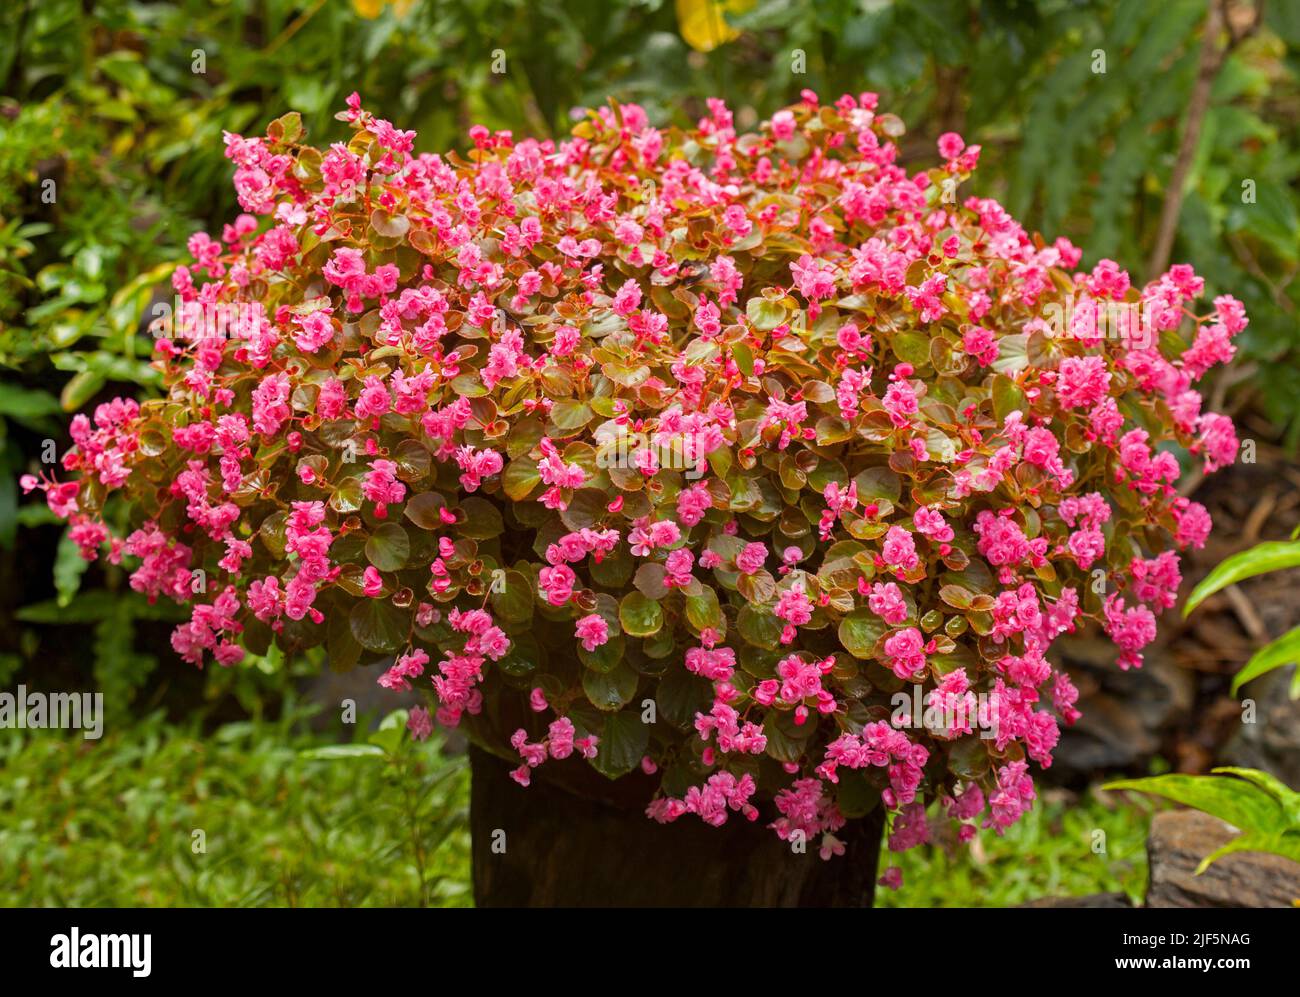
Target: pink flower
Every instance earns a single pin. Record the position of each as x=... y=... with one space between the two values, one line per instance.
x=950 y=146
x=891 y=878
x=557 y=584
x=628 y=298
x=1218 y=440
x=886 y=601
x=1130 y=628
x=906 y=650
x=593 y=631
x=1083 y=381
x=930 y=522
x=380 y=485
x=1193 y=523
x=314 y=330
x=751 y=558
x=982 y=344
x=815 y=280
x=900 y=402
x=560 y=737
x=419 y=723
x=899 y=550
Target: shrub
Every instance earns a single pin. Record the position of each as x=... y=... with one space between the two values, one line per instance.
x=704 y=446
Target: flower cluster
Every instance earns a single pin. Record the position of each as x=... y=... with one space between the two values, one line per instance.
x=866 y=460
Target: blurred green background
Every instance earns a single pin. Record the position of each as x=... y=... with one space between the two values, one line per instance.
x=111 y=119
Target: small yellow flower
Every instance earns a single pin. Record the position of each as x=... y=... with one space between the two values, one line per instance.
x=703 y=24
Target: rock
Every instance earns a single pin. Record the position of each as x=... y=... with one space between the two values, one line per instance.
x=1272 y=742
x=1125 y=714
x=330 y=688
x=1178 y=841
x=1109 y=900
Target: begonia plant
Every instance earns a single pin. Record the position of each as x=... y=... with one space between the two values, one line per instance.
x=699 y=449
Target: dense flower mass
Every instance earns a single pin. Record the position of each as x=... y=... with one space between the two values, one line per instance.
x=694 y=453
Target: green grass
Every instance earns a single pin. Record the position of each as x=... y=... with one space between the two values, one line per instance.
x=1067 y=845
x=112 y=823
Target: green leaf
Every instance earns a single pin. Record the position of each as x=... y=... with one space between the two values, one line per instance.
x=1275 y=654
x=347 y=495
x=514 y=601
x=69 y=566
x=333 y=752
x=878 y=483
x=80 y=389
x=956 y=596
x=912 y=347
x=759 y=626
x=27 y=405
x=585 y=509
x=639 y=616
x=520 y=478
x=341 y=648
x=783 y=747
x=1284 y=844
x=388 y=547
x=1013 y=354
x=940 y=446
x=611 y=690
x=744 y=358
x=379 y=626
x=625 y=376
x=703 y=610
x=482 y=520
x=1260 y=559
x=859 y=632
x=623 y=744
x=287 y=128
x=568 y=414
x=1270 y=784
x=1007 y=397
x=606 y=657
x=969 y=758
x=391 y=731
x=422 y=510
x=680 y=695
x=855 y=795
x=764 y=315
x=1239 y=803
x=97 y=605
x=389 y=226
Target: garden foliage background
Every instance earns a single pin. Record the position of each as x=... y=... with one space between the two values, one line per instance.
x=122 y=105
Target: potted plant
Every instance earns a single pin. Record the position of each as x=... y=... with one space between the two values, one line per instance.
x=729 y=489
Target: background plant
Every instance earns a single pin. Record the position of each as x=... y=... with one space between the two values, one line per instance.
x=112 y=822
x=1275 y=555
x=1264 y=809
